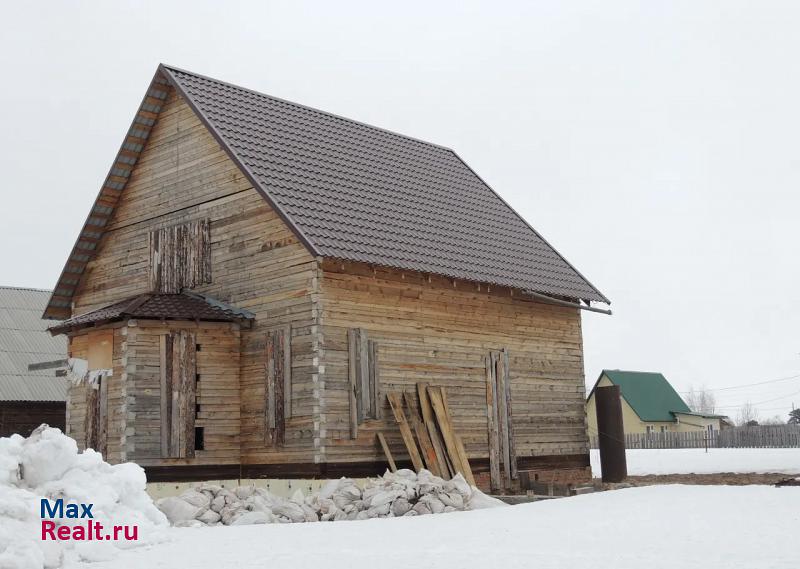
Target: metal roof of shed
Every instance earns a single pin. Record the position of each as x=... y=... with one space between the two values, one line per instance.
x=24 y=340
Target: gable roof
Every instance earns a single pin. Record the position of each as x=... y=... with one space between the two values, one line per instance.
x=650 y=395
x=23 y=341
x=181 y=306
x=349 y=191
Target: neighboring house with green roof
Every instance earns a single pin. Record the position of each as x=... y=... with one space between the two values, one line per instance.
x=650 y=405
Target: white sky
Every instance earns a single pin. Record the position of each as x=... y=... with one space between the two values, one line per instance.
x=653 y=143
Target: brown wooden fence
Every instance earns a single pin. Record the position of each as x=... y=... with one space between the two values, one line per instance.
x=765 y=436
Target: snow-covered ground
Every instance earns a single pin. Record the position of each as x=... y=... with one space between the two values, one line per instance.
x=716 y=460
x=654 y=527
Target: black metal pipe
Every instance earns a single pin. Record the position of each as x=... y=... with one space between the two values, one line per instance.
x=611 y=433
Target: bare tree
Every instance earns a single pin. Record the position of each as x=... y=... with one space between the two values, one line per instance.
x=747 y=414
x=701 y=400
x=774 y=420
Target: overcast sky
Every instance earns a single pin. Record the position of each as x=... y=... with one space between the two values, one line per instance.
x=654 y=144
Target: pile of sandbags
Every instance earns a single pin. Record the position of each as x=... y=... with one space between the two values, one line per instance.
x=395 y=494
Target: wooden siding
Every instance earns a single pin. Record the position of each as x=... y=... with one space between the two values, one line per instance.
x=432 y=330
x=217 y=393
x=419 y=328
x=116 y=398
x=256 y=263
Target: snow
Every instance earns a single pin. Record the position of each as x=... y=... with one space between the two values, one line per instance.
x=48 y=465
x=716 y=460
x=731 y=527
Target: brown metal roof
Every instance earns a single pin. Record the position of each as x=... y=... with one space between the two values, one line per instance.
x=183 y=306
x=356 y=192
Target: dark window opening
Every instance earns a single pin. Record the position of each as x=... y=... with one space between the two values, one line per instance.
x=199 y=443
x=197 y=409
x=197 y=348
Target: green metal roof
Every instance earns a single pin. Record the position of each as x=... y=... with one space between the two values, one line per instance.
x=649 y=394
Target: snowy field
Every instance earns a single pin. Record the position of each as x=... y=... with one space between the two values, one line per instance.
x=717 y=460
x=650 y=527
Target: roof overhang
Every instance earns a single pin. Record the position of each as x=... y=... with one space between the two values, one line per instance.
x=185 y=306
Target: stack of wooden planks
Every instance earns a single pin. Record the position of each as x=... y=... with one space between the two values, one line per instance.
x=428 y=434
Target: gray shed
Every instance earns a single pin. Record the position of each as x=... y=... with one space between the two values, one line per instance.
x=32 y=384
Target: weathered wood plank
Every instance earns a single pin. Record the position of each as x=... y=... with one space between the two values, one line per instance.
x=354 y=386
x=374 y=380
x=452 y=444
x=512 y=453
x=492 y=420
x=423 y=438
x=387 y=452
x=502 y=414
x=396 y=403
x=430 y=424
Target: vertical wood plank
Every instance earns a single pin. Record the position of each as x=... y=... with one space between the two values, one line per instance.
x=180 y=256
x=269 y=387
x=175 y=404
x=491 y=420
x=165 y=349
x=502 y=414
x=374 y=380
x=287 y=373
x=102 y=416
x=352 y=382
x=279 y=380
x=189 y=391
x=90 y=428
x=512 y=454
x=276 y=378
x=365 y=408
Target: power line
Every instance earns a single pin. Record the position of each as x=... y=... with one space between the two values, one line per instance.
x=761 y=402
x=746 y=384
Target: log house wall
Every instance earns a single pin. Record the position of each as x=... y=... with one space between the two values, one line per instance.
x=424 y=328
x=257 y=263
x=430 y=329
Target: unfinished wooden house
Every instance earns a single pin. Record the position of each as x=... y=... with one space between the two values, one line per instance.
x=255 y=276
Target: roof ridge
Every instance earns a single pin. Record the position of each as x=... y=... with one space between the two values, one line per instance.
x=307 y=107
x=31 y=289
x=633 y=371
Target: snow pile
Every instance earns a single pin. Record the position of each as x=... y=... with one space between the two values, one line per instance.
x=48 y=465
x=402 y=493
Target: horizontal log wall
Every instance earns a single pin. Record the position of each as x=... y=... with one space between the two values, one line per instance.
x=428 y=329
x=218 y=391
x=116 y=399
x=76 y=394
x=183 y=175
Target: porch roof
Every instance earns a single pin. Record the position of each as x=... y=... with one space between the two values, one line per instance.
x=181 y=306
